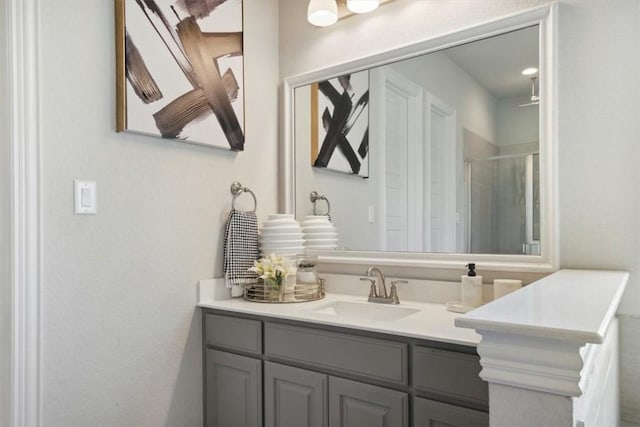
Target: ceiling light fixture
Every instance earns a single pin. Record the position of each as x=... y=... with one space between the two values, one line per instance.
x=362 y=6
x=322 y=13
x=529 y=71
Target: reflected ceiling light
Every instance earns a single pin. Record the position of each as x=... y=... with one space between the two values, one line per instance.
x=322 y=13
x=529 y=71
x=534 y=99
x=362 y=6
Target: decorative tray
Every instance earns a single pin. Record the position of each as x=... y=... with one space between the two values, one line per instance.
x=299 y=292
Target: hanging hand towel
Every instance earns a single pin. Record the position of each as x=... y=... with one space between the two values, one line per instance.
x=240 y=248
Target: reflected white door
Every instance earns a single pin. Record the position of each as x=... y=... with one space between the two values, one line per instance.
x=401 y=181
x=395 y=176
x=440 y=191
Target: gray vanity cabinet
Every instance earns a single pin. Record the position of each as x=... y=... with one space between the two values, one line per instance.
x=233 y=390
x=294 y=397
x=309 y=375
x=429 y=413
x=355 y=404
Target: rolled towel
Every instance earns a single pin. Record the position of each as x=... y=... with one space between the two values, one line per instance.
x=240 y=248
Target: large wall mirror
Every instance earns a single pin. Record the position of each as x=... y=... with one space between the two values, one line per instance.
x=441 y=153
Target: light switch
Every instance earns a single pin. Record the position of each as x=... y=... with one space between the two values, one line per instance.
x=85 y=199
x=372 y=214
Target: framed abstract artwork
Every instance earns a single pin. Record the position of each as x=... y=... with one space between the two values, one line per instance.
x=180 y=70
x=340 y=124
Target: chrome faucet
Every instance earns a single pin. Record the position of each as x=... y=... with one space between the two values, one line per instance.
x=380 y=295
x=382 y=286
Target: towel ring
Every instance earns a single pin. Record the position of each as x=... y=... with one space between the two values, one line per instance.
x=314 y=197
x=237 y=189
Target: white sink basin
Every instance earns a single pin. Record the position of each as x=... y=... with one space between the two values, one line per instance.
x=363 y=311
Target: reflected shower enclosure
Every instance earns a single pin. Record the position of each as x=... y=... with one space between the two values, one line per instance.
x=503 y=204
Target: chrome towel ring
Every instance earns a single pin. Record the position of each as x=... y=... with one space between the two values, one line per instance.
x=237 y=189
x=314 y=197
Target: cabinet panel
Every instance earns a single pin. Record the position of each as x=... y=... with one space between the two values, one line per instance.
x=233 y=390
x=354 y=404
x=384 y=360
x=428 y=413
x=233 y=333
x=449 y=373
x=294 y=397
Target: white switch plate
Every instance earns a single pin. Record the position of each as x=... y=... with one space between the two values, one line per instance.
x=372 y=214
x=86 y=198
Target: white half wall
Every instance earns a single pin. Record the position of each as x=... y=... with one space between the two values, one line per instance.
x=121 y=334
x=598 y=108
x=630 y=358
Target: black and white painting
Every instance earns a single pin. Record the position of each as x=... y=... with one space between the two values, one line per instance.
x=180 y=70
x=340 y=124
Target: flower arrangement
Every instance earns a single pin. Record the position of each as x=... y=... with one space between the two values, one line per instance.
x=273 y=270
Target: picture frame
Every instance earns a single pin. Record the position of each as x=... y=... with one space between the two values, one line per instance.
x=180 y=70
x=340 y=124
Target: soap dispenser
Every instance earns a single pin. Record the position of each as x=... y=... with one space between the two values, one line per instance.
x=471 y=287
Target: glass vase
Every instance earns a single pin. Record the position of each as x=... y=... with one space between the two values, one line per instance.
x=274 y=289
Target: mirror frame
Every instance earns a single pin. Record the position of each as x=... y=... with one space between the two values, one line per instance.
x=546 y=18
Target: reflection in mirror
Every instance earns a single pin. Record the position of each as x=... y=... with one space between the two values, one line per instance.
x=451 y=151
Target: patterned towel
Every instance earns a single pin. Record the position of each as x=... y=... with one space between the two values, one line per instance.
x=240 y=248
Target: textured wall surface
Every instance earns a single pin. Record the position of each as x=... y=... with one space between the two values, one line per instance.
x=121 y=332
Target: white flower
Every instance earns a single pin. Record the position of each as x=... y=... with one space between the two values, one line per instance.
x=273 y=267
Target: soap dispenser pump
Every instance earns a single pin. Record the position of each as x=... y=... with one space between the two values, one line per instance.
x=471 y=285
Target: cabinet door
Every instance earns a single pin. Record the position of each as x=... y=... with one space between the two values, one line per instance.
x=294 y=397
x=429 y=413
x=233 y=386
x=354 y=404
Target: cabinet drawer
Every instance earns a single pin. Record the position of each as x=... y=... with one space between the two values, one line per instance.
x=449 y=373
x=370 y=357
x=233 y=333
x=428 y=413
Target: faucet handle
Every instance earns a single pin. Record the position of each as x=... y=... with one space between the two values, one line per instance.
x=393 y=295
x=372 y=290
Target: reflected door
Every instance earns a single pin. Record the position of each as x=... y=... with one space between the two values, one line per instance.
x=401 y=183
x=440 y=223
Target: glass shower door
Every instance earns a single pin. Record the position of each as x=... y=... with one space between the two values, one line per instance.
x=503 y=205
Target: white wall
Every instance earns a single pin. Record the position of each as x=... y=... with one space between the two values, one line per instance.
x=598 y=109
x=599 y=94
x=5 y=237
x=517 y=125
x=121 y=333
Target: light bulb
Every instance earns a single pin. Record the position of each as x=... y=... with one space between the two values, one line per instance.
x=529 y=71
x=322 y=13
x=362 y=6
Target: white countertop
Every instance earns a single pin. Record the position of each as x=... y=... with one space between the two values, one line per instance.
x=432 y=321
x=570 y=305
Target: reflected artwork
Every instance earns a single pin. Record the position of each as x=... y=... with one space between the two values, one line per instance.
x=340 y=124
